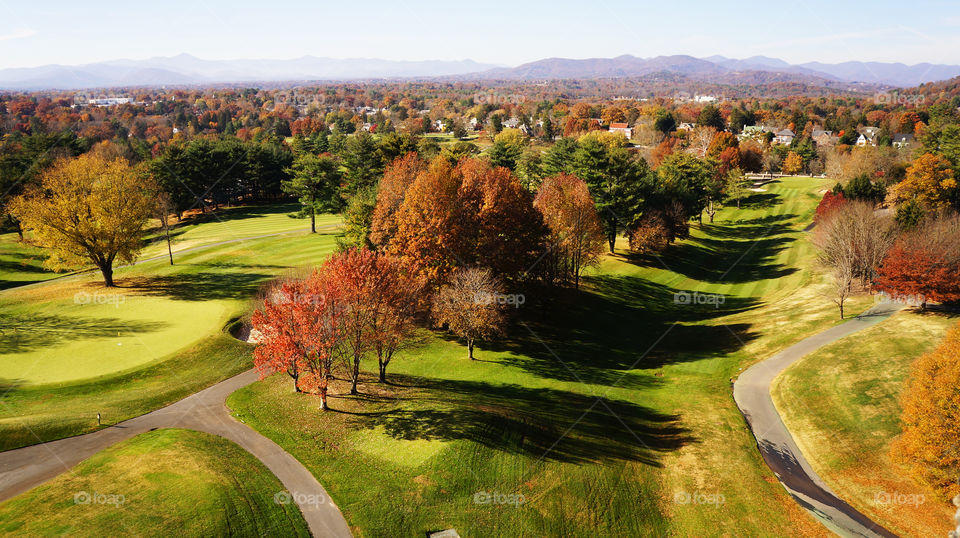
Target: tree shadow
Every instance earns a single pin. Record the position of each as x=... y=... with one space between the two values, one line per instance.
x=22 y=333
x=760 y=200
x=199 y=286
x=540 y=423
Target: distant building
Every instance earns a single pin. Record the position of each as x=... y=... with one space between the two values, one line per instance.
x=512 y=123
x=824 y=138
x=868 y=136
x=108 y=101
x=622 y=128
x=902 y=140
x=784 y=137
x=686 y=126
x=705 y=99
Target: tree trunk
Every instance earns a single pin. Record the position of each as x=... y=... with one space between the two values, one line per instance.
x=841 y=309
x=355 y=377
x=323 y=399
x=296 y=383
x=313 y=222
x=107 y=270
x=470 y=348
x=613 y=242
x=383 y=371
x=169 y=248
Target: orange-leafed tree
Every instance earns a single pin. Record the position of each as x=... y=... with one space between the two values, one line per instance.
x=469 y=305
x=830 y=202
x=397 y=178
x=399 y=298
x=298 y=330
x=576 y=234
x=930 y=444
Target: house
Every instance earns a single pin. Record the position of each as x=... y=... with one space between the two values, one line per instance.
x=784 y=137
x=621 y=128
x=512 y=123
x=868 y=136
x=108 y=101
x=473 y=124
x=439 y=126
x=754 y=132
x=902 y=140
x=686 y=127
x=824 y=138
x=705 y=99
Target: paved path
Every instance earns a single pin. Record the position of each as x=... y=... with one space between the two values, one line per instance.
x=24 y=468
x=752 y=394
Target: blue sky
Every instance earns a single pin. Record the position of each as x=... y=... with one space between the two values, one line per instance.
x=492 y=31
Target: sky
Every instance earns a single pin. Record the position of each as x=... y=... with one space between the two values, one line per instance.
x=487 y=31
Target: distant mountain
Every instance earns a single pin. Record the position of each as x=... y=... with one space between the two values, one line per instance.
x=892 y=74
x=187 y=69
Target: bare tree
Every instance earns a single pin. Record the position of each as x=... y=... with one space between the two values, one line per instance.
x=470 y=305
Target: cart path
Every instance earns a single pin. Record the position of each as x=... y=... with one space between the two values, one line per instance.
x=752 y=394
x=206 y=411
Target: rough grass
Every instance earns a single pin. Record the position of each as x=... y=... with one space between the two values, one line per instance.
x=842 y=405
x=163 y=483
x=605 y=409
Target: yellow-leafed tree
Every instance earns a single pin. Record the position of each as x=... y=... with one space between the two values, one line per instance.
x=88 y=210
x=930 y=444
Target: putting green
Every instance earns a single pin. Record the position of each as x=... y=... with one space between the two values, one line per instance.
x=98 y=333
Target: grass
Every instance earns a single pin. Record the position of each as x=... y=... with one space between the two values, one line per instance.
x=842 y=405
x=603 y=409
x=70 y=348
x=163 y=483
x=20 y=263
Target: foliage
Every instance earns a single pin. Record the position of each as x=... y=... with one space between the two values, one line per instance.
x=930 y=444
x=924 y=263
x=469 y=305
x=88 y=210
x=576 y=235
x=358 y=219
x=315 y=180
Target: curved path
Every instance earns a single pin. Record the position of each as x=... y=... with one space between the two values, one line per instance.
x=24 y=468
x=752 y=394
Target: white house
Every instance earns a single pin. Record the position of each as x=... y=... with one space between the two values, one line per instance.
x=868 y=136
x=902 y=140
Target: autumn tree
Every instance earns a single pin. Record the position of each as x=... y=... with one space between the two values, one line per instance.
x=88 y=209
x=930 y=443
x=736 y=185
x=468 y=305
x=793 y=164
x=930 y=180
x=576 y=235
x=397 y=178
x=924 y=263
x=299 y=328
x=315 y=181
x=830 y=202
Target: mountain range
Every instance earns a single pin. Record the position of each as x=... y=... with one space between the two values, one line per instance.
x=185 y=69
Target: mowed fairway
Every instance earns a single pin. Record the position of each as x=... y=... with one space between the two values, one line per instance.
x=162 y=483
x=842 y=405
x=71 y=348
x=606 y=412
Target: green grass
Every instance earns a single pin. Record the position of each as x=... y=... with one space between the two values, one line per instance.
x=20 y=263
x=162 y=483
x=122 y=352
x=600 y=408
x=842 y=405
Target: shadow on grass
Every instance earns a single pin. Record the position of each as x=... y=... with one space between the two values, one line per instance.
x=541 y=423
x=200 y=286
x=22 y=333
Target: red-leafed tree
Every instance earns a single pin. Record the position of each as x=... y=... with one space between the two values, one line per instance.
x=298 y=326
x=924 y=263
x=831 y=202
